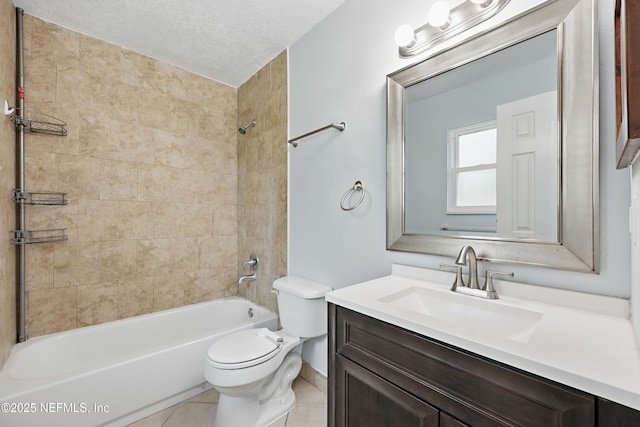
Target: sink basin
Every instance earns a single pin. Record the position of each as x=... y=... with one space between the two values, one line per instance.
x=466 y=314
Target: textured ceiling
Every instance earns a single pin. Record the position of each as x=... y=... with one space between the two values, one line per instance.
x=225 y=40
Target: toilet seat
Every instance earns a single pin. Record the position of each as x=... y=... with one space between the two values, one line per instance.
x=243 y=349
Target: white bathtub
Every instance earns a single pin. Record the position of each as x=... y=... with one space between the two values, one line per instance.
x=118 y=372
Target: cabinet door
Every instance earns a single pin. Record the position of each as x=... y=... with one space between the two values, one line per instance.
x=366 y=400
x=447 y=420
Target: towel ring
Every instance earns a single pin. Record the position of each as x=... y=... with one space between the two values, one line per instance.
x=356 y=187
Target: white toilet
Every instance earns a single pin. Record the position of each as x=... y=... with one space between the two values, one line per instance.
x=253 y=369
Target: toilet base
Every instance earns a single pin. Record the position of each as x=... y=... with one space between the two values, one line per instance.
x=273 y=410
x=236 y=411
x=273 y=400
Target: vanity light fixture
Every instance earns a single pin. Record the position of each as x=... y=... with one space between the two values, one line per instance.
x=444 y=23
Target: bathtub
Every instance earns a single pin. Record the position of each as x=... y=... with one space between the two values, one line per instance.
x=118 y=372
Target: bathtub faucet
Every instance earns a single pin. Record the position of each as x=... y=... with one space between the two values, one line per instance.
x=253 y=263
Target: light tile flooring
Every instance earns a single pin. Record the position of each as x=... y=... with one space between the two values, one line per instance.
x=199 y=411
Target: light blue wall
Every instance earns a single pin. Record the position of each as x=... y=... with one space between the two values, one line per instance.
x=337 y=72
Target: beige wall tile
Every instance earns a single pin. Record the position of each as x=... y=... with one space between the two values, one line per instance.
x=137 y=219
x=152 y=109
x=76 y=175
x=98 y=58
x=136 y=69
x=211 y=284
x=169 y=290
x=153 y=257
x=169 y=149
x=76 y=263
x=156 y=183
x=117 y=259
x=135 y=296
x=168 y=220
x=40 y=274
x=97 y=304
x=51 y=310
x=150 y=165
x=225 y=220
x=198 y=220
x=136 y=144
x=98 y=136
x=99 y=220
x=40 y=167
x=47 y=37
x=218 y=253
x=118 y=180
x=184 y=255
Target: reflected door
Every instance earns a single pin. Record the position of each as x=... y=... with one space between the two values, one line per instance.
x=527 y=175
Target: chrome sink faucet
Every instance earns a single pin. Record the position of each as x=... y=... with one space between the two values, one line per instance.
x=467 y=252
x=253 y=263
x=468 y=256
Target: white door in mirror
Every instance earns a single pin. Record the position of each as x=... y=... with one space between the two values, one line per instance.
x=527 y=176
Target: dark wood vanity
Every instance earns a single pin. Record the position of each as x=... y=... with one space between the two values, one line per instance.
x=383 y=375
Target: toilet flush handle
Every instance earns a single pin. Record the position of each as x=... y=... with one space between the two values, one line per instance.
x=265 y=333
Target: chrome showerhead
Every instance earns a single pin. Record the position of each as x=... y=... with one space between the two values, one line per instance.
x=244 y=128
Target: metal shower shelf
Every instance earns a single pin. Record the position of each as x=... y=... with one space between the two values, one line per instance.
x=25 y=237
x=35 y=122
x=39 y=198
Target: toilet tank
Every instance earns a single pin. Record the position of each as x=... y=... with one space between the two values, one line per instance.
x=303 y=310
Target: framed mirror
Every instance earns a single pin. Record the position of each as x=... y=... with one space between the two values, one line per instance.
x=494 y=143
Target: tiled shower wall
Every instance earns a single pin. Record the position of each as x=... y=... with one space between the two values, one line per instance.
x=7 y=181
x=262 y=178
x=150 y=168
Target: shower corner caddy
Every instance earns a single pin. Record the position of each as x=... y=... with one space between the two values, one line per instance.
x=25 y=237
x=35 y=122
x=50 y=198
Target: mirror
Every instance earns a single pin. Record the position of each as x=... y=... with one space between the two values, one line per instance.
x=494 y=143
x=474 y=127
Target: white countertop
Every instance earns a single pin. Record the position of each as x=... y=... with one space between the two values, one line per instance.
x=581 y=340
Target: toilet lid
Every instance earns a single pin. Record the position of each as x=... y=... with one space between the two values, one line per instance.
x=239 y=348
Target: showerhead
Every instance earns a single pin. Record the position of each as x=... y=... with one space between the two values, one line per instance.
x=244 y=128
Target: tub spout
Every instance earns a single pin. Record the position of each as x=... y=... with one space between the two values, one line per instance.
x=247 y=278
x=253 y=263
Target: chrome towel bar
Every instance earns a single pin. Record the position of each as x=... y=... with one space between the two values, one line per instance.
x=340 y=126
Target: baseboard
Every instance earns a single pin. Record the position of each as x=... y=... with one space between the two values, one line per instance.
x=313 y=377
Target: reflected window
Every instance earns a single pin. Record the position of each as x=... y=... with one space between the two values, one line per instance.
x=472 y=169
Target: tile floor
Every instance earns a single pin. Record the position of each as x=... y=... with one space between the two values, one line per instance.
x=199 y=411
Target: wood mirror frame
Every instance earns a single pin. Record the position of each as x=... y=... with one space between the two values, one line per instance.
x=627 y=51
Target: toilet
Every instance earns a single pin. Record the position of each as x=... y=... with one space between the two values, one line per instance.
x=253 y=369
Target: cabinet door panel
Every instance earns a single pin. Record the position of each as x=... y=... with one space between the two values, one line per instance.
x=447 y=420
x=369 y=401
x=611 y=414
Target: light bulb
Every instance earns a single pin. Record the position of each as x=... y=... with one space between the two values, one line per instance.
x=404 y=35
x=439 y=14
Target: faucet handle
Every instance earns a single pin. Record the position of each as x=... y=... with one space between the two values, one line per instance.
x=253 y=262
x=458 y=269
x=488 y=283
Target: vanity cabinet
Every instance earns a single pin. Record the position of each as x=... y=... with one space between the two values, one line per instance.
x=383 y=375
